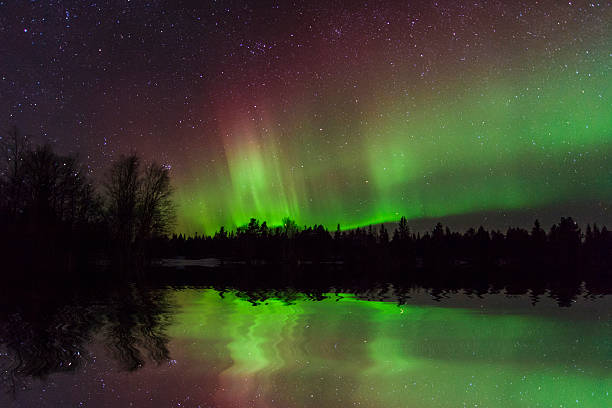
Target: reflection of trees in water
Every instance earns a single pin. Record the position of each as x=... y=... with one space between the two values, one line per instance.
x=47 y=335
x=137 y=324
x=564 y=293
x=41 y=339
x=46 y=332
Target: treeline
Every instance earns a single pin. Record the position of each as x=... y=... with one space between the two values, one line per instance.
x=53 y=215
x=563 y=245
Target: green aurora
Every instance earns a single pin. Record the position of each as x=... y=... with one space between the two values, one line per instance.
x=538 y=138
x=348 y=352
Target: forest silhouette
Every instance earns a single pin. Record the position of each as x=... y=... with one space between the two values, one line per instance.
x=55 y=218
x=53 y=214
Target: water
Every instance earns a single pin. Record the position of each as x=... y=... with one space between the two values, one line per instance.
x=209 y=348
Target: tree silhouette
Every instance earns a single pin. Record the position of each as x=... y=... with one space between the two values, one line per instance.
x=403 y=230
x=47 y=204
x=122 y=189
x=155 y=209
x=290 y=227
x=13 y=148
x=383 y=235
x=139 y=205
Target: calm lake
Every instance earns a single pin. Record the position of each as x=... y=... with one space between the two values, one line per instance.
x=186 y=347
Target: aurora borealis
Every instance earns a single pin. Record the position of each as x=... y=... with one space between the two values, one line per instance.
x=352 y=112
x=455 y=154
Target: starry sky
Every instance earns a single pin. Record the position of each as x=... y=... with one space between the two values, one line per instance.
x=350 y=112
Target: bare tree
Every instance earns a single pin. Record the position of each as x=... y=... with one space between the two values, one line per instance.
x=156 y=211
x=13 y=147
x=122 y=189
x=139 y=205
x=44 y=186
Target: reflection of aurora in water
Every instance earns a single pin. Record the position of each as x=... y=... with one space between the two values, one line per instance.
x=338 y=352
x=379 y=354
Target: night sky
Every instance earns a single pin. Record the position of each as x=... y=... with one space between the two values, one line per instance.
x=325 y=111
